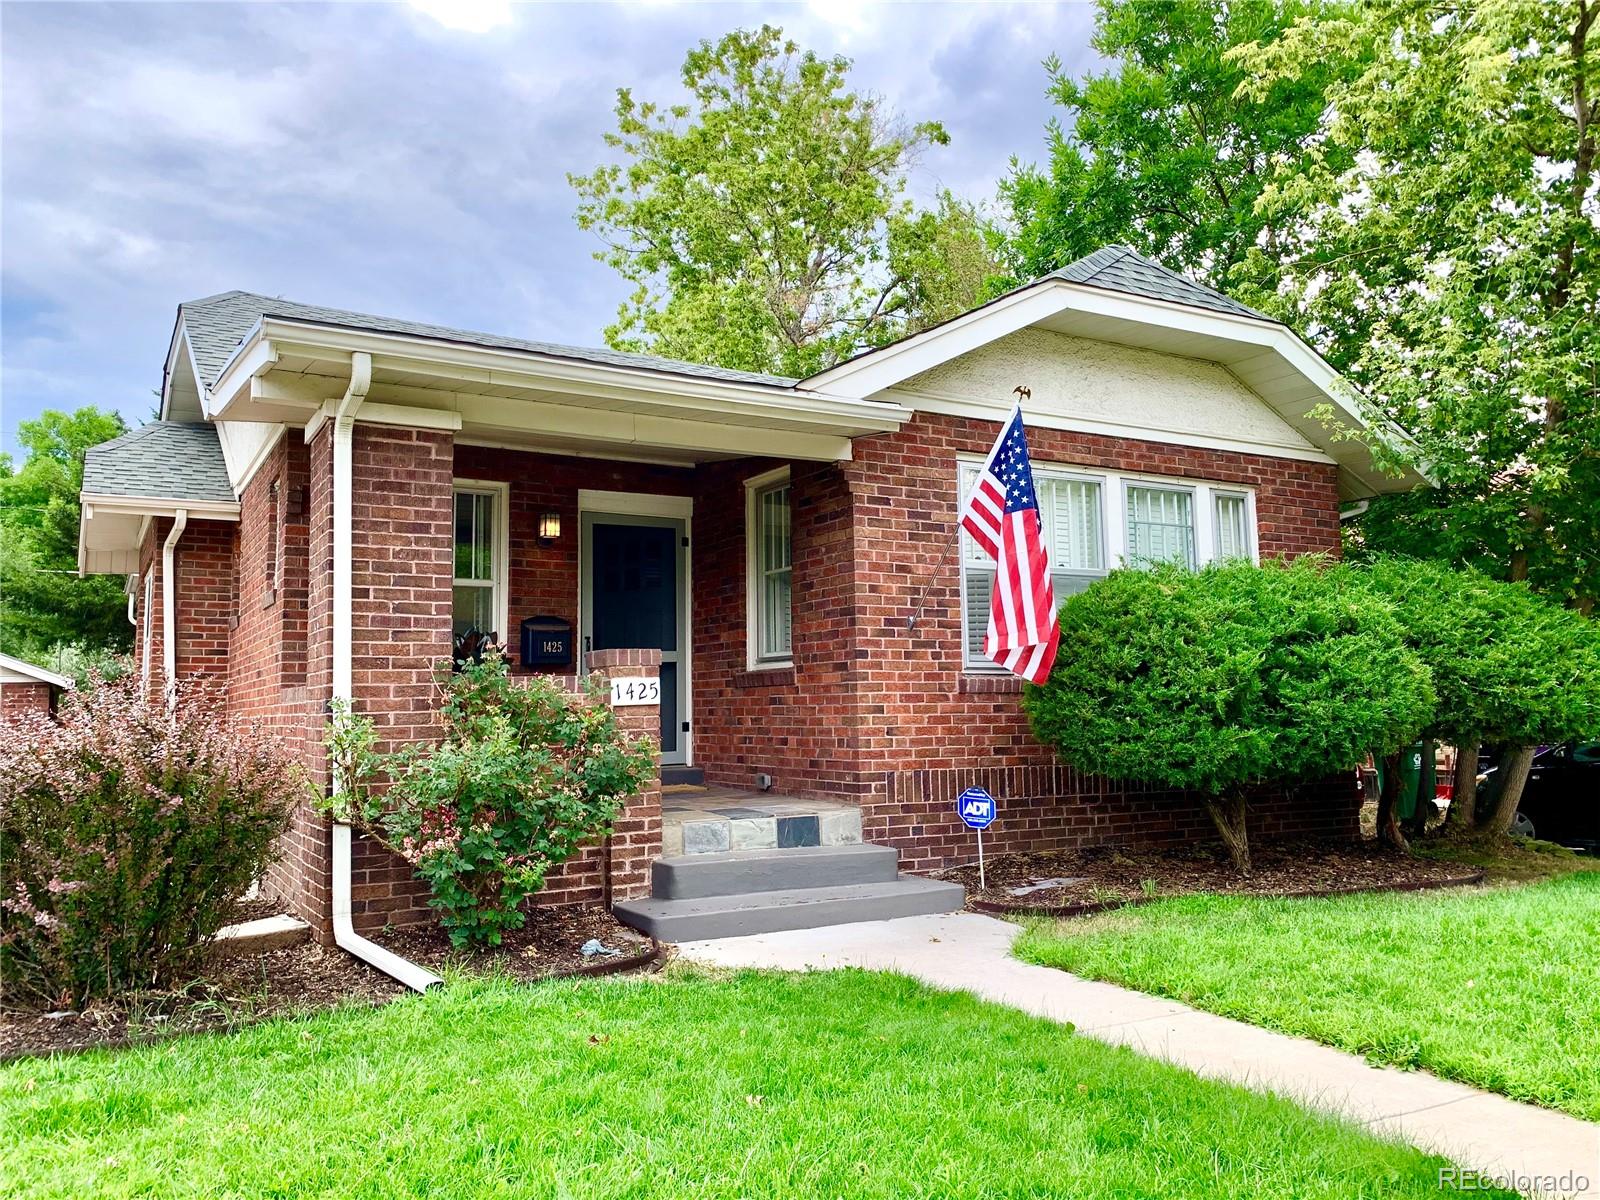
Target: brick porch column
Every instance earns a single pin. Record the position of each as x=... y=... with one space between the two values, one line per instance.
x=636 y=842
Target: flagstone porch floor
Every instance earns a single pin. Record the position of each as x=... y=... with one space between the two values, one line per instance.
x=708 y=819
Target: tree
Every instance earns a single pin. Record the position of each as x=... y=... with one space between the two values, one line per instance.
x=1162 y=151
x=45 y=602
x=764 y=224
x=1450 y=214
x=1229 y=679
x=1509 y=668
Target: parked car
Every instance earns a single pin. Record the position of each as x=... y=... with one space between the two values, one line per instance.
x=1561 y=800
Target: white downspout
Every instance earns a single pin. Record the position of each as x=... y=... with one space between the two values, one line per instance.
x=169 y=606
x=344 y=932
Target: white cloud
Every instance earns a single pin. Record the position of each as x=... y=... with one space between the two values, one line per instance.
x=468 y=16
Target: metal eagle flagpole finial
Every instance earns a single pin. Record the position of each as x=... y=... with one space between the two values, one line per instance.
x=1022 y=393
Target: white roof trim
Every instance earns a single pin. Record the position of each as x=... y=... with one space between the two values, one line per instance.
x=14 y=670
x=878 y=370
x=688 y=391
x=159 y=506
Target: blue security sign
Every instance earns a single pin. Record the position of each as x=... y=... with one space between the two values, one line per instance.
x=976 y=808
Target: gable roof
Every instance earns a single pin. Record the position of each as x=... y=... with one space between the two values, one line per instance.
x=217 y=325
x=1119 y=269
x=167 y=460
x=15 y=670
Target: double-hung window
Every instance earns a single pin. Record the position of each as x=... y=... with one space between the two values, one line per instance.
x=478 y=586
x=1070 y=511
x=1092 y=522
x=770 y=554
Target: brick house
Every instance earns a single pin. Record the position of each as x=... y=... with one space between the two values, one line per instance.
x=27 y=690
x=329 y=497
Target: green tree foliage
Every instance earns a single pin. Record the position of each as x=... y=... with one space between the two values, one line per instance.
x=1162 y=152
x=1450 y=201
x=524 y=776
x=43 y=602
x=764 y=223
x=1229 y=679
x=1510 y=668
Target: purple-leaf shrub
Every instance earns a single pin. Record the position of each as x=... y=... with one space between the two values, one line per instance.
x=127 y=835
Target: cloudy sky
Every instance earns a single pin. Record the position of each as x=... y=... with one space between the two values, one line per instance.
x=409 y=160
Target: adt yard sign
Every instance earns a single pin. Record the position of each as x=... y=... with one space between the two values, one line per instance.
x=976 y=808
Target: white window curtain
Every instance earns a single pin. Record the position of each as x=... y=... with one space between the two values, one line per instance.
x=774 y=574
x=1160 y=526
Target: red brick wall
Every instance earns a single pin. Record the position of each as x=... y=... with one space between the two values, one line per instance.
x=925 y=725
x=21 y=701
x=203 y=561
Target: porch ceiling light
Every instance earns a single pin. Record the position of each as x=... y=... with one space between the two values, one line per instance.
x=549 y=526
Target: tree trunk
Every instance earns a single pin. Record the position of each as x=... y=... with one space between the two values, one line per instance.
x=1463 y=815
x=1227 y=814
x=1388 y=827
x=1514 y=767
x=1418 y=824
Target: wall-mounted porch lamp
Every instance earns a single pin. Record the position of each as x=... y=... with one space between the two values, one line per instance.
x=549 y=526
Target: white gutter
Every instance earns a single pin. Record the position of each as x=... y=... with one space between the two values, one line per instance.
x=344 y=931
x=169 y=606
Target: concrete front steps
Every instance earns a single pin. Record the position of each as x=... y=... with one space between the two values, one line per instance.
x=739 y=892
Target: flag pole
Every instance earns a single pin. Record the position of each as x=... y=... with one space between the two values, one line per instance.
x=1022 y=393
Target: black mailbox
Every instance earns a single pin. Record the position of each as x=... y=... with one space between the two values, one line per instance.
x=546 y=642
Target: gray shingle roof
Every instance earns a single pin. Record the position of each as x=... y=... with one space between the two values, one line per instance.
x=167 y=460
x=217 y=324
x=1120 y=269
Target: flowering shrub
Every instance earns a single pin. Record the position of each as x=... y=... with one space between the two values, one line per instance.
x=525 y=776
x=127 y=833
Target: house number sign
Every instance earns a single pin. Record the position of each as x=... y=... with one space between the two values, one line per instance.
x=634 y=689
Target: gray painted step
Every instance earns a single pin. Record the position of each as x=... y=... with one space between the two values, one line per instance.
x=697 y=876
x=802 y=908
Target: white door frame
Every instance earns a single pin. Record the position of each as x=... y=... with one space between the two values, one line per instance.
x=648 y=504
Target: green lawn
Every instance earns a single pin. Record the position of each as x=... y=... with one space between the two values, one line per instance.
x=1498 y=988
x=838 y=1084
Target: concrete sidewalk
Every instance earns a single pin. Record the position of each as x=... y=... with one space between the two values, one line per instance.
x=968 y=952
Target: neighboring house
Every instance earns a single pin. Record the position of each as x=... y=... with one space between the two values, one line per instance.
x=328 y=496
x=27 y=690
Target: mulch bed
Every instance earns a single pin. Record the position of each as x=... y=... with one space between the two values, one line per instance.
x=1088 y=880
x=550 y=944
x=239 y=990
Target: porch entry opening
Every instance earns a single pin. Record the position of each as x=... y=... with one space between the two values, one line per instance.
x=634 y=598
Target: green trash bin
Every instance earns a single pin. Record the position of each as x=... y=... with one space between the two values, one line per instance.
x=1419 y=782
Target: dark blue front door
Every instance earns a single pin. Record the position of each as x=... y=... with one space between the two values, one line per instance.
x=634 y=597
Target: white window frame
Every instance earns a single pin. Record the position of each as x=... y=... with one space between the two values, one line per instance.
x=1249 y=498
x=1113 y=525
x=1196 y=520
x=754 y=488
x=500 y=604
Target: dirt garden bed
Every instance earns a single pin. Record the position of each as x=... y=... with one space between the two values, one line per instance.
x=1067 y=882
x=240 y=989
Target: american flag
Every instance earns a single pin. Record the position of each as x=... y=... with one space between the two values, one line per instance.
x=1002 y=515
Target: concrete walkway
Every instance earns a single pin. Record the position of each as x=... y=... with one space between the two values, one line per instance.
x=968 y=952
